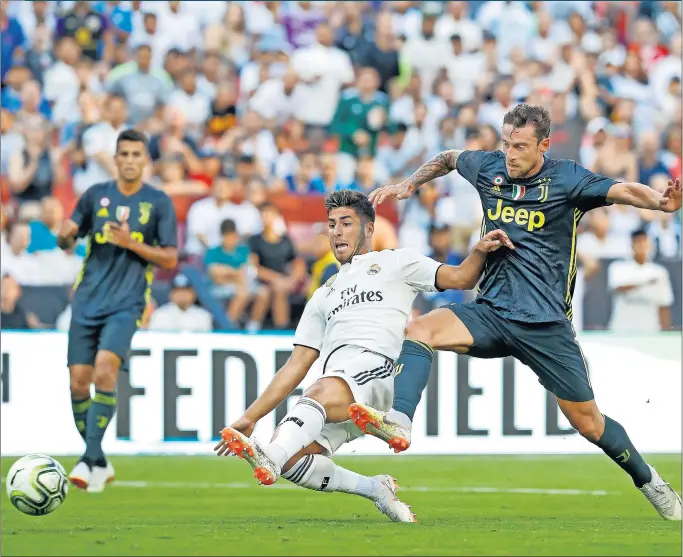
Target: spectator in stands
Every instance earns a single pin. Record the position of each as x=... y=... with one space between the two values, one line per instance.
x=193 y=103
x=13 y=315
x=305 y=178
x=40 y=56
x=90 y=29
x=181 y=313
x=144 y=88
x=205 y=216
x=615 y=157
x=359 y=118
x=16 y=260
x=174 y=141
x=277 y=265
x=229 y=271
x=33 y=170
x=329 y=179
x=381 y=54
x=365 y=179
x=597 y=242
x=99 y=144
x=13 y=41
x=44 y=231
x=324 y=69
x=29 y=104
x=325 y=265
x=175 y=181
x=641 y=290
x=61 y=83
x=649 y=161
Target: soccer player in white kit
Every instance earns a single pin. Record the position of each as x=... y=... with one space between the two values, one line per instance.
x=353 y=324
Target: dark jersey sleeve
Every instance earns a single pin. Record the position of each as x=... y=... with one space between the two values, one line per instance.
x=167 y=233
x=82 y=214
x=586 y=190
x=469 y=163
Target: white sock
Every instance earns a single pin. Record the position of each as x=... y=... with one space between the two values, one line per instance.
x=320 y=473
x=399 y=418
x=298 y=430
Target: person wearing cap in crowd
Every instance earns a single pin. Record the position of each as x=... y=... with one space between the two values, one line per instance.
x=181 y=313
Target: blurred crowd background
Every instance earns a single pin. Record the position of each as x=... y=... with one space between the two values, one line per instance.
x=256 y=110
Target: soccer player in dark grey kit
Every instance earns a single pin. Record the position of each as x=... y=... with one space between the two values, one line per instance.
x=131 y=226
x=523 y=308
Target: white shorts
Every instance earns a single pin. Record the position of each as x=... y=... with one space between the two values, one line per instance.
x=370 y=376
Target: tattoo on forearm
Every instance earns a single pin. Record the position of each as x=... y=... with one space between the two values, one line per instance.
x=439 y=166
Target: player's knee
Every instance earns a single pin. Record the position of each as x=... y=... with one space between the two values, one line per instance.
x=80 y=387
x=334 y=395
x=418 y=329
x=107 y=366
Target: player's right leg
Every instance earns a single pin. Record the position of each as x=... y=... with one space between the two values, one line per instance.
x=114 y=346
x=326 y=400
x=82 y=346
x=463 y=328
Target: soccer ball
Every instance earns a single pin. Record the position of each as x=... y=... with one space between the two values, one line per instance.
x=37 y=484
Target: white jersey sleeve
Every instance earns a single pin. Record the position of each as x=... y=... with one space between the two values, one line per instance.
x=418 y=270
x=311 y=328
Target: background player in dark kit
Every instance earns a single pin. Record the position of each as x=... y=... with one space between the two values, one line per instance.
x=130 y=226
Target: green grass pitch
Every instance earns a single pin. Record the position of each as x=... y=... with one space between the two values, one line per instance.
x=466 y=505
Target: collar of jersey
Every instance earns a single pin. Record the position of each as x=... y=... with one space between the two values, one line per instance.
x=347 y=266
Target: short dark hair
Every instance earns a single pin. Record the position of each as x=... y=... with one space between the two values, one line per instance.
x=638 y=233
x=228 y=226
x=268 y=205
x=352 y=199
x=524 y=114
x=131 y=135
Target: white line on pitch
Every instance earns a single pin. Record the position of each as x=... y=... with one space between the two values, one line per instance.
x=425 y=489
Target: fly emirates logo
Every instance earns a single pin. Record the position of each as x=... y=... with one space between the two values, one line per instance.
x=351 y=297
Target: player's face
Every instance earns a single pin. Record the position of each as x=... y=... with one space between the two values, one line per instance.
x=131 y=159
x=347 y=233
x=523 y=152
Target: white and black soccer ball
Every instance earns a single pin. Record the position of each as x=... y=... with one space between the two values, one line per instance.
x=37 y=484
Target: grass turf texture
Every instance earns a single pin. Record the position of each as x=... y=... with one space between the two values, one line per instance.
x=176 y=508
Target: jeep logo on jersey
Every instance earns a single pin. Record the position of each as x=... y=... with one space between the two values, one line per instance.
x=531 y=220
x=374 y=269
x=350 y=297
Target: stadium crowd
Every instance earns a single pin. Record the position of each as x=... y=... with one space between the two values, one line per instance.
x=255 y=110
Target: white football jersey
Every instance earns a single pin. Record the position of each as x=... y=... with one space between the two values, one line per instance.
x=367 y=303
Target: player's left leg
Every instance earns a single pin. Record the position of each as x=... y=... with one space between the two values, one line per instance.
x=311 y=468
x=115 y=342
x=554 y=354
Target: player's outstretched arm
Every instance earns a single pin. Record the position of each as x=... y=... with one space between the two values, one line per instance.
x=644 y=197
x=285 y=381
x=440 y=165
x=466 y=275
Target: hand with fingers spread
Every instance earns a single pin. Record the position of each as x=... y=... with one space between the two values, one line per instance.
x=494 y=240
x=402 y=190
x=671 y=198
x=243 y=425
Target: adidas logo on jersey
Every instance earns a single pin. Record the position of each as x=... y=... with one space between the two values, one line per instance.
x=103 y=212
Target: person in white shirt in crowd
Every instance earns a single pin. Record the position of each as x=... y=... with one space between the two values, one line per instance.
x=456 y=21
x=277 y=100
x=181 y=313
x=147 y=31
x=193 y=103
x=206 y=215
x=641 y=291
x=323 y=69
x=99 y=145
x=16 y=260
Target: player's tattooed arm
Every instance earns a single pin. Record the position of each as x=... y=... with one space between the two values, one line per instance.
x=644 y=197
x=66 y=237
x=466 y=275
x=440 y=165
